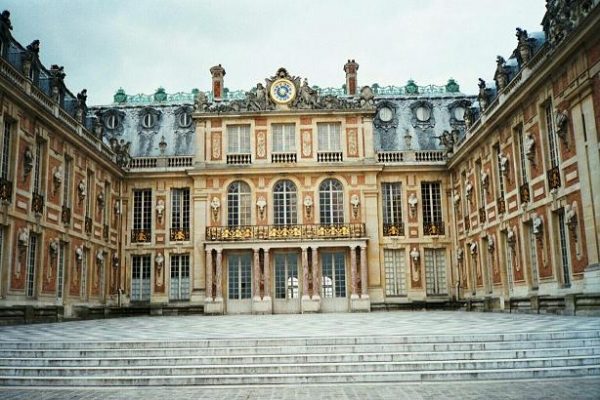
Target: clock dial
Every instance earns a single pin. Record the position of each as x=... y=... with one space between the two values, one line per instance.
x=385 y=114
x=283 y=91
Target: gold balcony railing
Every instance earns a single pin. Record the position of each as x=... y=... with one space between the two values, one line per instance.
x=284 y=232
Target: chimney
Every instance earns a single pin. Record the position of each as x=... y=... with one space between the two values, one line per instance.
x=350 y=68
x=217 y=72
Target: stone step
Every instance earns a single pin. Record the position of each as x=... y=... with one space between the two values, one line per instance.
x=308 y=341
x=302 y=368
x=155 y=350
x=306 y=378
x=298 y=358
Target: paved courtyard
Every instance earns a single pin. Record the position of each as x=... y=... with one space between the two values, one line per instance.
x=310 y=325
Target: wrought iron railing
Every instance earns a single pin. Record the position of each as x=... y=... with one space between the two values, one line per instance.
x=284 y=232
x=6 y=188
x=396 y=229
x=88 y=225
x=65 y=215
x=141 y=235
x=553 y=175
x=482 y=215
x=501 y=204
x=433 y=228
x=37 y=203
x=524 y=193
x=180 y=234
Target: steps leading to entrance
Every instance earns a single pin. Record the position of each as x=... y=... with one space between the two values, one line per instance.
x=239 y=361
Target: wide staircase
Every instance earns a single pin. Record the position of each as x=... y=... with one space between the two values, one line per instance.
x=302 y=360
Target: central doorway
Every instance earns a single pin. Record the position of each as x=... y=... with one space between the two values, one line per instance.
x=239 y=283
x=287 y=285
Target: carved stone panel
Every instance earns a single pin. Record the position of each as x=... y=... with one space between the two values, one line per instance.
x=215 y=142
x=352 y=140
x=261 y=144
x=306 y=143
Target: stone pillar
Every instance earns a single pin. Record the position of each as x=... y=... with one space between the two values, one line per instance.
x=217 y=72
x=267 y=276
x=256 y=274
x=305 y=273
x=198 y=236
x=219 y=276
x=209 y=271
x=350 y=68
x=353 y=272
x=315 y=274
x=202 y=133
x=364 y=290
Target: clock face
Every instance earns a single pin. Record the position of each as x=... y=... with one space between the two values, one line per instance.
x=385 y=114
x=283 y=91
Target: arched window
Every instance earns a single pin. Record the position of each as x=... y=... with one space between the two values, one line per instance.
x=331 y=202
x=239 y=204
x=285 y=204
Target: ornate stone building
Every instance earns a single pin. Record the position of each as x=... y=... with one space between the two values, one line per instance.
x=292 y=198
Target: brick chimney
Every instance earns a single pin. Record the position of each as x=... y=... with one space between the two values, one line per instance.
x=217 y=72
x=350 y=68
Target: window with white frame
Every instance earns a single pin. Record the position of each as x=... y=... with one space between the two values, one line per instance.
x=140 y=277
x=238 y=139
x=286 y=276
x=552 y=145
x=392 y=203
x=180 y=277
x=509 y=264
x=395 y=272
x=499 y=175
x=37 y=167
x=564 y=248
x=67 y=181
x=331 y=202
x=284 y=138
x=329 y=136
x=432 y=204
x=142 y=209
x=479 y=172
x=240 y=276
x=285 y=203
x=333 y=267
x=60 y=273
x=239 y=204
x=522 y=155
x=90 y=194
x=180 y=208
x=31 y=265
x=84 y=274
x=6 y=144
x=435 y=272
x=533 y=259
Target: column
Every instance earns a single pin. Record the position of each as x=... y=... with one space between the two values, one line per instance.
x=353 y=283
x=267 y=275
x=315 y=274
x=305 y=273
x=209 y=271
x=256 y=274
x=219 y=275
x=364 y=293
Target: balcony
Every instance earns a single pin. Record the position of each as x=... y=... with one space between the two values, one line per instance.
x=501 y=204
x=180 y=234
x=6 y=188
x=283 y=158
x=37 y=203
x=524 y=194
x=284 y=232
x=65 y=215
x=433 y=228
x=88 y=225
x=396 y=229
x=239 y=159
x=141 y=236
x=395 y=157
x=482 y=215
x=553 y=176
x=330 y=156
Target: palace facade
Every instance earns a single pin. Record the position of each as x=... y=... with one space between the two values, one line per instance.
x=293 y=198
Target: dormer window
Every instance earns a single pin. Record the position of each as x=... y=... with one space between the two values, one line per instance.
x=185 y=120
x=111 y=122
x=459 y=113
x=423 y=114
x=148 y=121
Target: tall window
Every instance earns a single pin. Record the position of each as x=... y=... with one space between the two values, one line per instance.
x=522 y=155
x=90 y=194
x=67 y=170
x=31 y=265
x=285 y=204
x=286 y=276
x=239 y=204
x=180 y=277
x=392 y=203
x=240 y=276
x=329 y=136
x=334 y=275
x=395 y=272
x=180 y=210
x=564 y=248
x=432 y=207
x=142 y=209
x=331 y=202
x=509 y=264
x=479 y=172
x=84 y=274
x=140 y=278
x=284 y=138
x=238 y=139
x=463 y=184
x=1 y=250
x=105 y=208
x=5 y=156
x=435 y=272
x=499 y=175
x=60 y=273
x=37 y=167
x=533 y=259
x=552 y=145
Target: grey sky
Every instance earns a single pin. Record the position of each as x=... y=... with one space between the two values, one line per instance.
x=141 y=45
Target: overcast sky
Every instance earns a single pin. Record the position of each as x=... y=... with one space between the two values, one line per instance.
x=143 y=44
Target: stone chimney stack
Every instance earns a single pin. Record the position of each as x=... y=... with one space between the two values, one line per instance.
x=350 y=68
x=217 y=72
